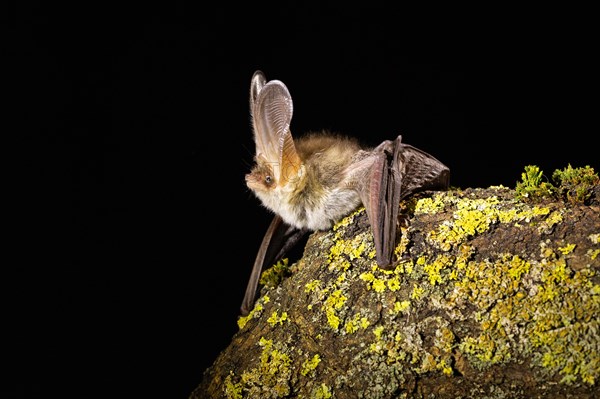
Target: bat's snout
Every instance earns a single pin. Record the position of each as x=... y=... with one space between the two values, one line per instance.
x=254 y=182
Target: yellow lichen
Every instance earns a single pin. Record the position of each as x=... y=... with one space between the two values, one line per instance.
x=402 y=244
x=343 y=251
x=417 y=292
x=311 y=286
x=475 y=216
x=378 y=285
x=242 y=321
x=394 y=284
x=404 y=267
x=275 y=318
x=484 y=350
x=333 y=303
x=434 y=269
x=389 y=279
x=430 y=205
x=401 y=306
x=273 y=276
x=553 y=219
x=232 y=390
x=348 y=220
x=309 y=365
x=553 y=309
x=428 y=363
x=322 y=392
x=444 y=367
x=378 y=345
x=352 y=248
x=444 y=339
x=373 y=282
x=364 y=322
x=351 y=327
x=272 y=373
x=253 y=314
x=367 y=276
x=338 y=248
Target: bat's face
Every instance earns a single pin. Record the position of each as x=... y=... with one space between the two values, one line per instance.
x=261 y=179
x=268 y=189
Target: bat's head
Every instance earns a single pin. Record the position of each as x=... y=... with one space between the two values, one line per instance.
x=265 y=186
x=278 y=166
x=262 y=177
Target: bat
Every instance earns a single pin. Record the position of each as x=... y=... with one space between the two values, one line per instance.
x=312 y=181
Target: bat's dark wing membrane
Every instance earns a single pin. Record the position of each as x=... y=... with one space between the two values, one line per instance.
x=419 y=171
x=396 y=171
x=277 y=241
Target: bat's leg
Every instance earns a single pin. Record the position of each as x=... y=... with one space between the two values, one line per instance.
x=278 y=240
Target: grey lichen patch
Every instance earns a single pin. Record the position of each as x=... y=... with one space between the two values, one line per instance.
x=538 y=308
x=398 y=352
x=405 y=344
x=275 y=373
x=270 y=378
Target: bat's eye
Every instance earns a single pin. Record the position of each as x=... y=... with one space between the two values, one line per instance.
x=268 y=180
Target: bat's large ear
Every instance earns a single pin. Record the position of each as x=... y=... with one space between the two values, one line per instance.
x=272 y=110
x=258 y=81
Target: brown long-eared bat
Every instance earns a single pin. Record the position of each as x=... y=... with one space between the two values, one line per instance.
x=313 y=181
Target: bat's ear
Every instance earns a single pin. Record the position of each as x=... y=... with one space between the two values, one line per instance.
x=258 y=81
x=272 y=110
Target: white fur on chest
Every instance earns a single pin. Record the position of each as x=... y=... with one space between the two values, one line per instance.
x=314 y=213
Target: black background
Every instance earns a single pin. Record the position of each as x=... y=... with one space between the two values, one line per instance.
x=133 y=231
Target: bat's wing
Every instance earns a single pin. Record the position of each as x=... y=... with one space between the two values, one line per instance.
x=277 y=241
x=419 y=170
x=392 y=171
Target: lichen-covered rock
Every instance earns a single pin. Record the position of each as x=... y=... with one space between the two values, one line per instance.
x=490 y=297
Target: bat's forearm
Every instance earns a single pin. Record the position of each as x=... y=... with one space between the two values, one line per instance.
x=278 y=240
